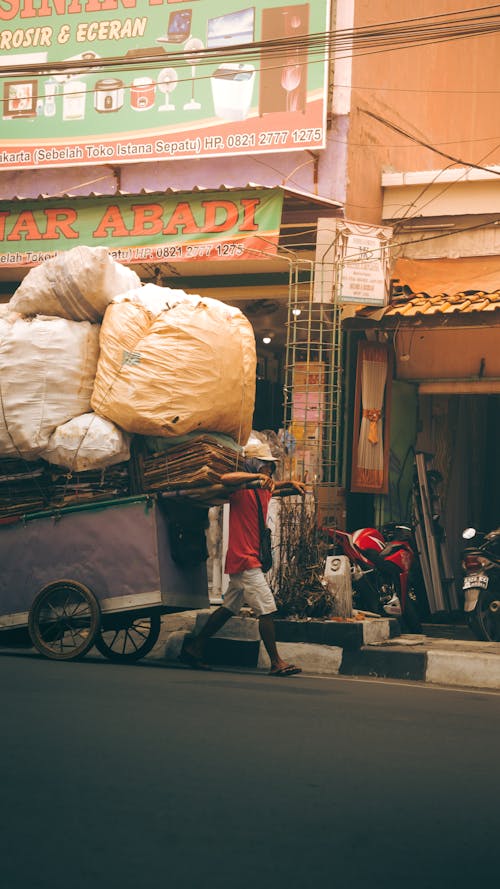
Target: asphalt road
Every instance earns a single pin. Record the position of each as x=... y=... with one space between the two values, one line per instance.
x=145 y=776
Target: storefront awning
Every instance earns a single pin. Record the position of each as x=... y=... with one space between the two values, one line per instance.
x=169 y=234
x=451 y=276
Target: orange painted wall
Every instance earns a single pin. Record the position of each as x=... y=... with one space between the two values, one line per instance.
x=441 y=93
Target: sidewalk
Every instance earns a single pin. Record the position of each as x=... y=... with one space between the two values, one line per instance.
x=425 y=658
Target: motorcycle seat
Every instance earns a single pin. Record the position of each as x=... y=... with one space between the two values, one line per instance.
x=389 y=549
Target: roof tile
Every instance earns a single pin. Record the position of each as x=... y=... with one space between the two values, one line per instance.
x=443 y=303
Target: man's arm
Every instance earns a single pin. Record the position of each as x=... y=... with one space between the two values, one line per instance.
x=235 y=479
x=291 y=483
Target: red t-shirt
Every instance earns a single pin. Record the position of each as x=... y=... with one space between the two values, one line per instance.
x=244 y=531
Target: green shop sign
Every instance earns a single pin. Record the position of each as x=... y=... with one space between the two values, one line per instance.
x=103 y=81
x=138 y=229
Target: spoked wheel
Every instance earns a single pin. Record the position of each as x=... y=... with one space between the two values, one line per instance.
x=485 y=619
x=131 y=639
x=64 y=620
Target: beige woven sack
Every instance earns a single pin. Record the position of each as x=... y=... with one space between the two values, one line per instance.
x=47 y=370
x=77 y=285
x=188 y=368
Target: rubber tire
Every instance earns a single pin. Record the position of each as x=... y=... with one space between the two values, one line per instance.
x=35 y=631
x=130 y=657
x=476 y=621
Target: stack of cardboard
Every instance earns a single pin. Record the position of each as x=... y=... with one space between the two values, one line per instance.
x=198 y=463
x=30 y=487
x=23 y=487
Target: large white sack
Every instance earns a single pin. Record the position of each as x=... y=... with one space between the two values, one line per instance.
x=189 y=368
x=87 y=442
x=157 y=299
x=47 y=370
x=77 y=284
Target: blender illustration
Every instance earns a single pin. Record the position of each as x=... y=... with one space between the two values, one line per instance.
x=50 y=91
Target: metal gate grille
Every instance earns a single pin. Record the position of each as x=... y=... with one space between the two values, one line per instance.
x=313 y=374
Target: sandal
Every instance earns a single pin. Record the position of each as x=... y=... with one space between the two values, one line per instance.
x=190 y=660
x=289 y=670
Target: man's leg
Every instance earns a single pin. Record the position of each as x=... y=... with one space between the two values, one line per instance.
x=257 y=593
x=215 y=622
x=268 y=636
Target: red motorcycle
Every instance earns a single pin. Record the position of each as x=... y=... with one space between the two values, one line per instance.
x=381 y=568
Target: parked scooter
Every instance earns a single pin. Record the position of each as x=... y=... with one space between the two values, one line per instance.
x=381 y=563
x=481 y=584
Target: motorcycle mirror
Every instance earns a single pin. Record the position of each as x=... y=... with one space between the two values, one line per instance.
x=469 y=533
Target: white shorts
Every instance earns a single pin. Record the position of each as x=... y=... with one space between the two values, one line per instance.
x=250 y=588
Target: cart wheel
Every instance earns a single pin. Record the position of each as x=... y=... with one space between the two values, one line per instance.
x=64 y=620
x=133 y=639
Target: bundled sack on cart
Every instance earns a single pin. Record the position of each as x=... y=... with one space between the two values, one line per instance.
x=77 y=285
x=189 y=366
x=47 y=370
x=87 y=442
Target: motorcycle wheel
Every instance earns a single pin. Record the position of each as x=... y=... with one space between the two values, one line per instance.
x=485 y=623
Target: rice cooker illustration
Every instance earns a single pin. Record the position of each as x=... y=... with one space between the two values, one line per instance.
x=108 y=94
x=232 y=88
x=142 y=93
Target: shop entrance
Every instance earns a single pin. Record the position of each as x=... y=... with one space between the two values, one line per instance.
x=462 y=432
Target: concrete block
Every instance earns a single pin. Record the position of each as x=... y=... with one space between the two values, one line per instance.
x=173 y=645
x=181 y=620
x=385 y=663
x=472 y=669
x=349 y=635
x=244 y=629
x=323 y=660
x=375 y=631
x=232 y=652
x=172 y=623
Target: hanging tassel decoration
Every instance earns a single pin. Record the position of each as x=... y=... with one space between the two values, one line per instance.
x=373 y=416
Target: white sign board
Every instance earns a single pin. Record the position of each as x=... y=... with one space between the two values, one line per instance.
x=352 y=263
x=363 y=272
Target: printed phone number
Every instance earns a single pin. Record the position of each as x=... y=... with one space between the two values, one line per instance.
x=195 y=251
x=263 y=140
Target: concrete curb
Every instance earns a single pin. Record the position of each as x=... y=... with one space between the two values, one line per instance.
x=423 y=659
x=463 y=668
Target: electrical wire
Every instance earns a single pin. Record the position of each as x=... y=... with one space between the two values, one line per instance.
x=391 y=247
x=442 y=191
x=386 y=36
x=402 y=132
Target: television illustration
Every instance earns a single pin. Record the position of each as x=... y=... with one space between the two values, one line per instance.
x=232 y=28
x=179 y=27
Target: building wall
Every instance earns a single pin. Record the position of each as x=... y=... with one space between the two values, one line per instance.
x=440 y=93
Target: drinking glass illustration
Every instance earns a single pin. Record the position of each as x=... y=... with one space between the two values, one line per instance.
x=167 y=82
x=290 y=81
x=194 y=44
